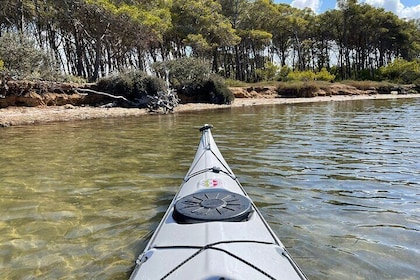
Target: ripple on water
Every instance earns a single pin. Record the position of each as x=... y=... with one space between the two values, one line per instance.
x=338 y=182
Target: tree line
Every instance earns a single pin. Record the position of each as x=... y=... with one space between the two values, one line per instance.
x=93 y=38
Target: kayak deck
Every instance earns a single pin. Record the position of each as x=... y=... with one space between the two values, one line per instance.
x=213 y=230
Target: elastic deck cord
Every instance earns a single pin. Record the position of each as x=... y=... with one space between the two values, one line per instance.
x=212 y=169
x=212 y=247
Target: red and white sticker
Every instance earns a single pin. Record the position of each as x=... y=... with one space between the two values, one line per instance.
x=210 y=183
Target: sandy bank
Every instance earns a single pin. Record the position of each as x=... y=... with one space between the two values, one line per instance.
x=12 y=116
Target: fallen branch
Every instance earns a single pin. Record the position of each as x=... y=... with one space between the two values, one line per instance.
x=103 y=93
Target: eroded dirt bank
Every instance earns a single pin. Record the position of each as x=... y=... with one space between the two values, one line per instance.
x=12 y=116
x=28 y=102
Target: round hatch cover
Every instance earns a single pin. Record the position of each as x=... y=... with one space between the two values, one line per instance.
x=212 y=205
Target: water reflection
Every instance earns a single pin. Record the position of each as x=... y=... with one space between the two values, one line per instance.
x=338 y=182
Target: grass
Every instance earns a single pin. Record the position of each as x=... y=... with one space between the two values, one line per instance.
x=368 y=85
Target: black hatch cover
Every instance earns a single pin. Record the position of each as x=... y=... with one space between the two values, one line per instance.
x=212 y=205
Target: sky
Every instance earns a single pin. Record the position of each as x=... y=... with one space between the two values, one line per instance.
x=402 y=8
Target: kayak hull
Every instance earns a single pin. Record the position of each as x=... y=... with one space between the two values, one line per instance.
x=213 y=230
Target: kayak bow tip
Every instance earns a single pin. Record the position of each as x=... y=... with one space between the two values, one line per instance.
x=206 y=127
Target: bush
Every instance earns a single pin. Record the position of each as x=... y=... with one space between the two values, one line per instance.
x=131 y=84
x=235 y=83
x=368 y=85
x=282 y=74
x=187 y=71
x=212 y=90
x=309 y=75
x=301 y=76
x=298 y=89
x=401 y=71
x=21 y=57
x=217 y=91
x=267 y=73
x=193 y=81
x=324 y=75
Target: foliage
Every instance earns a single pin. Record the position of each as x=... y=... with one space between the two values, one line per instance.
x=200 y=25
x=19 y=55
x=322 y=75
x=268 y=72
x=1 y=64
x=216 y=90
x=131 y=84
x=185 y=72
x=301 y=76
x=283 y=72
x=368 y=85
x=235 y=83
x=191 y=78
x=211 y=90
x=93 y=38
x=402 y=71
x=298 y=89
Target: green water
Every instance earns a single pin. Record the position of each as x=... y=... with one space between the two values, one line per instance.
x=338 y=182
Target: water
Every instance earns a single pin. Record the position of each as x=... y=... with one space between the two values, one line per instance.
x=338 y=182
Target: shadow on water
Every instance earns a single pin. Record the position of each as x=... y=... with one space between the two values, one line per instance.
x=338 y=182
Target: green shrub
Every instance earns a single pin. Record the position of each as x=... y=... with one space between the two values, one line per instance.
x=212 y=90
x=401 y=71
x=235 y=83
x=324 y=75
x=217 y=91
x=368 y=75
x=282 y=73
x=21 y=57
x=193 y=81
x=267 y=73
x=301 y=76
x=131 y=84
x=298 y=89
x=368 y=85
x=309 y=75
x=184 y=72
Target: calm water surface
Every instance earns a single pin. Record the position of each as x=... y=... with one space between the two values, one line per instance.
x=339 y=183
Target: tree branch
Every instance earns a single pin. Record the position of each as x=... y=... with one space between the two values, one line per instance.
x=103 y=93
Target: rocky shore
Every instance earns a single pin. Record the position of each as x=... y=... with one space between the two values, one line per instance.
x=62 y=107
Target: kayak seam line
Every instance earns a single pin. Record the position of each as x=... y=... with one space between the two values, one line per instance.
x=212 y=246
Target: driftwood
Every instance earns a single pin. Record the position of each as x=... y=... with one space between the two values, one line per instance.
x=102 y=93
x=129 y=103
x=163 y=101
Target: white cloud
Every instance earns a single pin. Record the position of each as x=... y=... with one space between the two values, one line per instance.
x=312 y=4
x=410 y=12
x=390 y=5
x=397 y=8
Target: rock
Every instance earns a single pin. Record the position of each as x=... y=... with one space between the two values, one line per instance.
x=69 y=106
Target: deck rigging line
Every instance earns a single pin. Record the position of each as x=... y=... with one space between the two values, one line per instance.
x=212 y=247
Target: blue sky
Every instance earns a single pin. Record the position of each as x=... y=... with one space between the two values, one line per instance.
x=402 y=8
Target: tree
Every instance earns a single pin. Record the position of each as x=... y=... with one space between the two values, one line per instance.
x=201 y=26
x=93 y=38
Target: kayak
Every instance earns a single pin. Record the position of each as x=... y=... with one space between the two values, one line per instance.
x=213 y=230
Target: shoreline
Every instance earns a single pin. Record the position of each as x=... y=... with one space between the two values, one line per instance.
x=19 y=116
